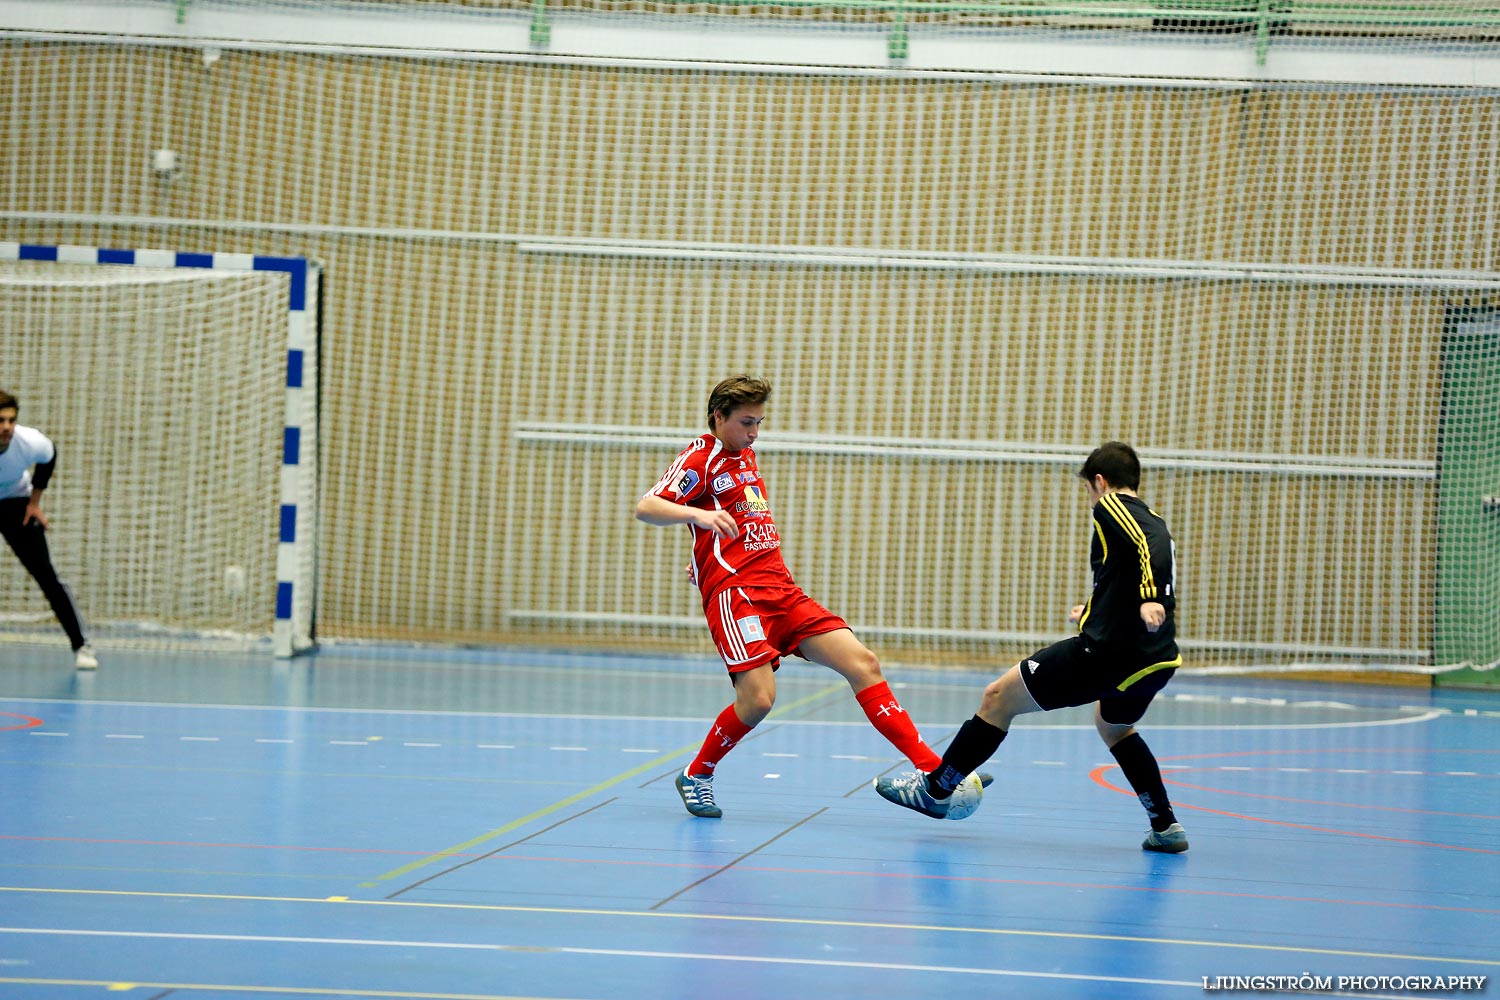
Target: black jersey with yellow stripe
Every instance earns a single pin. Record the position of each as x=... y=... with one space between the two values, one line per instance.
x=1134 y=562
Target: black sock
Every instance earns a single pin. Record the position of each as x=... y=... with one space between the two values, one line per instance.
x=975 y=743
x=1139 y=765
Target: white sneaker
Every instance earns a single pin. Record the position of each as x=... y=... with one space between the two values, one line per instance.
x=84 y=658
x=1172 y=840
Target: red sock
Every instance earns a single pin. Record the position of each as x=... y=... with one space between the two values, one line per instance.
x=886 y=715
x=727 y=731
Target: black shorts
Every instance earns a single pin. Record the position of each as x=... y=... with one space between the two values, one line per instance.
x=1070 y=673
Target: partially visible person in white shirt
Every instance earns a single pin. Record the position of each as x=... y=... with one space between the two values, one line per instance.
x=27 y=460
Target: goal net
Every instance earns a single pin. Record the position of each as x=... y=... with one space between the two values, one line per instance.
x=165 y=392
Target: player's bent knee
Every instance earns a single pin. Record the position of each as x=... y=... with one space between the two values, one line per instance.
x=1005 y=698
x=861 y=669
x=995 y=707
x=1111 y=732
x=755 y=706
x=754 y=694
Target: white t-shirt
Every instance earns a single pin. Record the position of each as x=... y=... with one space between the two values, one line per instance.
x=28 y=447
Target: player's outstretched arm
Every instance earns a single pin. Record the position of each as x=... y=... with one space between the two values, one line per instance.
x=654 y=510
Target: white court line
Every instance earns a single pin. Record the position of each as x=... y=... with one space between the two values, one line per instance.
x=1471 y=713
x=123 y=736
x=1221 y=727
x=1426 y=715
x=695 y=720
x=947 y=970
x=854 y=757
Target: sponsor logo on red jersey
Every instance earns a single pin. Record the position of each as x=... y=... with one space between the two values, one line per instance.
x=754 y=504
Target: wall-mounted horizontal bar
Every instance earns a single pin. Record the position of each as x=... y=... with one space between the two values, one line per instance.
x=831 y=256
x=1018 y=263
x=998 y=452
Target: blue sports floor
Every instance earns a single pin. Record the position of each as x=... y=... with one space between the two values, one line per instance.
x=398 y=823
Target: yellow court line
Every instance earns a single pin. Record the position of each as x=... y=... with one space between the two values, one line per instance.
x=115 y=986
x=456 y=849
x=787 y=921
x=654 y=762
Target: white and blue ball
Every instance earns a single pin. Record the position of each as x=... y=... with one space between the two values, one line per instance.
x=965 y=798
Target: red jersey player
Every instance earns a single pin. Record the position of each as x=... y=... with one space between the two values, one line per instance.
x=755 y=612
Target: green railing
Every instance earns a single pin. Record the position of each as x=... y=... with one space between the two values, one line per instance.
x=1262 y=18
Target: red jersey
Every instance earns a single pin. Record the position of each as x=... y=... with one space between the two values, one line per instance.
x=707 y=476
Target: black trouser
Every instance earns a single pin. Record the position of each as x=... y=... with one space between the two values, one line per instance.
x=29 y=542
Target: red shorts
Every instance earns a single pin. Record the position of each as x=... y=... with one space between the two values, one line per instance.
x=756 y=625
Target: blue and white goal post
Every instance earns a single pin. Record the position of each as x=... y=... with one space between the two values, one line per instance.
x=296 y=517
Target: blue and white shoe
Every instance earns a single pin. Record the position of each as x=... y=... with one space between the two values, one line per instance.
x=697 y=793
x=910 y=790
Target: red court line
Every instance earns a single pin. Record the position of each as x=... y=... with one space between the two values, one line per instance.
x=1401 y=772
x=28 y=722
x=1097 y=776
x=242 y=847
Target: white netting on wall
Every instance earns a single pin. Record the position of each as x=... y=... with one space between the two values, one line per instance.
x=535 y=271
x=923 y=477
x=1357 y=177
x=164 y=391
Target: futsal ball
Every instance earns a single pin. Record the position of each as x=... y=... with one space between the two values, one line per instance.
x=965 y=798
